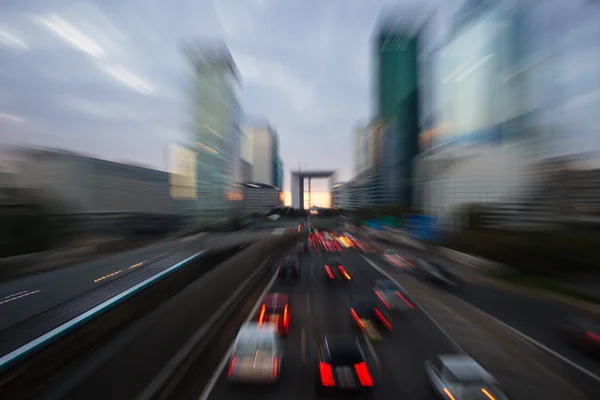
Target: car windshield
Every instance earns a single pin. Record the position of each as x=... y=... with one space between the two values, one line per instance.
x=345 y=356
x=251 y=346
x=387 y=285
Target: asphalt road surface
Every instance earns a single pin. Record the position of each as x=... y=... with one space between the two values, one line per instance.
x=23 y=298
x=320 y=308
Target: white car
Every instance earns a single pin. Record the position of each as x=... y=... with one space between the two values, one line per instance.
x=257 y=355
x=460 y=377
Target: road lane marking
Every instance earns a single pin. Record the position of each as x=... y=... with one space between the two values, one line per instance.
x=81 y=318
x=219 y=370
x=14 y=294
x=372 y=351
x=17 y=296
x=534 y=342
x=303 y=345
x=450 y=339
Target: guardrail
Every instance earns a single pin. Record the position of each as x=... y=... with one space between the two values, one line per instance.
x=32 y=364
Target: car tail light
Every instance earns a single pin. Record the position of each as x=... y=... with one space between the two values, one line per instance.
x=275 y=367
x=593 y=336
x=382 y=318
x=363 y=374
x=385 y=303
x=337 y=246
x=329 y=272
x=286 y=317
x=231 y=366
x=262 y=314
x=326 y=374
x=404 y=298
x=343 y=271
x=487 y=394
x=355 y=316
x=445 y=390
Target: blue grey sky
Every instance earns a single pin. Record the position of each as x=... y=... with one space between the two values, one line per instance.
x=106 y=77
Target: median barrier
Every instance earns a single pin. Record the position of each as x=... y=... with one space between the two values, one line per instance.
x=33 y=369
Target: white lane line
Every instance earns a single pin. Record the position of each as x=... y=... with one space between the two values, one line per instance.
x=14 y=294
x=383 y=272
x=41 y=340
x=303 y=345
x=543 y=347
x=219 y=370
x=17 y=296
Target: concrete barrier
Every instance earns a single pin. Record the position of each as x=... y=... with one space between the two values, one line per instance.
x=33 y=370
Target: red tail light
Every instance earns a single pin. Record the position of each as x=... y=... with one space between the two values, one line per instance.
x=326 y=374
x=262 y=314
x=329 y=272
x=363 y=374
x=382 y=318
x=355 y=316
x=231 y=367
x=343 y=271
x=404 y=298
x=337 y=246
x=385 y=303
x=593 y=336
x=275 y=367
x=286 y=317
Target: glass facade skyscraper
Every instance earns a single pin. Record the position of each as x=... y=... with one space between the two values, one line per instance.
x=397 y=96
x=214 y=130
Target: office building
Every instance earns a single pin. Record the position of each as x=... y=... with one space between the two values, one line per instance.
x=260 y=198
x=246 y=168
x=279 y=176
x=397 y=103
x=506 y=102
x=263 y=145
x=214 y=131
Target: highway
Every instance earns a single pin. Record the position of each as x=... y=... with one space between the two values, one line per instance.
x=35 y=295
x=319 y=309
x=535 y=316
x=524 y=371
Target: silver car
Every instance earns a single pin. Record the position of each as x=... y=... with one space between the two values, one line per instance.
x=460 y=377
x=257 y=355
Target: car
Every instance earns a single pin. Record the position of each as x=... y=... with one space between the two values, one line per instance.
x=582 y=331
x=290 y=267
x=392 y=296
x=275 y=309
x=438 y=274
x=335 y=271
x=342 y=365
x=460 y=377
x=256 y=356
x=370 y=318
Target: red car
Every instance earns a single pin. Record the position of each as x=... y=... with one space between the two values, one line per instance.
x=276 y=310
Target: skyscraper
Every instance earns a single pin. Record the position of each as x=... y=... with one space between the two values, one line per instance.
x=397 y=102
x=214 y=129
x=263 y=144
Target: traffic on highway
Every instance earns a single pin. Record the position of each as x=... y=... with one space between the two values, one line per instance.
x=342 y=316
x=341 y=328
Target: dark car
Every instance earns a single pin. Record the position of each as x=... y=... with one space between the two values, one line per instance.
x=290 y=268
x=392 y=296
x=583 y=331
x=342 y=365
x=370 y=317
x=335 y=271
x=438 y=274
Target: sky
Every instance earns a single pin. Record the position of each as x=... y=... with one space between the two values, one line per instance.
x=106 y=77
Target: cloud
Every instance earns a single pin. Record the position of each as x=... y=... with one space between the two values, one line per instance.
x=275 y=74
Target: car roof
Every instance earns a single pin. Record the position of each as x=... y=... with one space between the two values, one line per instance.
x=252 y=329
x=343 y=345
x=386 y=283
x=464 y=368
x=275 y=299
